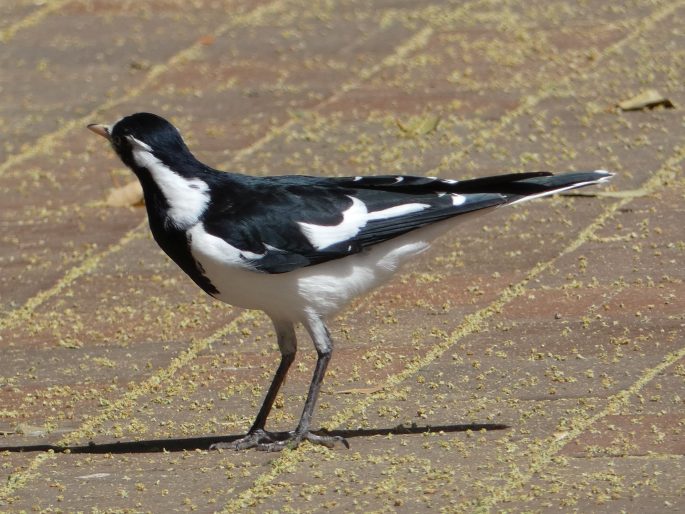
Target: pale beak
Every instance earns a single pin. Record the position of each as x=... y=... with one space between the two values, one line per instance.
x=101 y=130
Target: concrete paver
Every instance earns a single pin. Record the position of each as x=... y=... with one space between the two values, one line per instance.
x=561 y=320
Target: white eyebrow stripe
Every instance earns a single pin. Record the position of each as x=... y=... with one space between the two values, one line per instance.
x=138 y=144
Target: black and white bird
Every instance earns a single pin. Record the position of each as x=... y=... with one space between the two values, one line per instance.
x=299 y=248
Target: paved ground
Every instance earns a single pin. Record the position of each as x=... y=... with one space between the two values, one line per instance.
x=532 y=362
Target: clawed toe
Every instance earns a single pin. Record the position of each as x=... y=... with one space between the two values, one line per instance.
x=275 y=442
x=327 y=440
x=254 y=439
x=293 y=441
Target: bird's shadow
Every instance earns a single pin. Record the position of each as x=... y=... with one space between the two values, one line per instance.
x=203 y=443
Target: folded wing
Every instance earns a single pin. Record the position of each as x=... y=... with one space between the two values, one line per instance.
x=303 y=221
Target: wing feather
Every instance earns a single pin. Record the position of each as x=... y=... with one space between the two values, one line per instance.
x=301 y=221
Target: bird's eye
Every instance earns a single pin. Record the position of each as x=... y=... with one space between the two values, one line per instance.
x=116 y=140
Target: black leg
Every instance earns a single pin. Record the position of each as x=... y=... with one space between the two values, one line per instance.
x=324 y=348
x=257 y=436
x=313 y=394
x=279 y=378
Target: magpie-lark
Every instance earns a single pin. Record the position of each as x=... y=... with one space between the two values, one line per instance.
x=299 y=248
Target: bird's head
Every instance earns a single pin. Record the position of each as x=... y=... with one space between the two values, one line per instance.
x=148 y=133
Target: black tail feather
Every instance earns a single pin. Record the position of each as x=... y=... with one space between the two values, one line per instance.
x=511 y=184
x=525 y=184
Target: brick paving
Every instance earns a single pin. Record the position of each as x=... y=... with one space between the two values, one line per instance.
x=556 y=327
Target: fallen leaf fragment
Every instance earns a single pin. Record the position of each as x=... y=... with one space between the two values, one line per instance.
x=361 y=390
x=560 y=435
x=419 y=125
x=646 y=100
x=70 y=343
x=206 y=40
x=126 y=196
x=140 y=65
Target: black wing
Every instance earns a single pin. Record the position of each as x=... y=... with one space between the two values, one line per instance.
x=285 y=223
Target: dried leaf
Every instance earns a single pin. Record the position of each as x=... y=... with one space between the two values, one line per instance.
x=361 y=390
x=646 y=100
x=126 y=196
x=419 y=125
x=140 y=65
x=70 y=343
x=206 y=40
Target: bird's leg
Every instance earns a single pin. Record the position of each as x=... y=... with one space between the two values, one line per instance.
x=257 y=436
x=324 y=348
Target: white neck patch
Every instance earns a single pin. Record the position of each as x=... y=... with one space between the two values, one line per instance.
x=187 y=198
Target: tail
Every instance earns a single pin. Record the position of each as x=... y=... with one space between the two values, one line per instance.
x=545 y=185
x=526 y=186
x=510 y=188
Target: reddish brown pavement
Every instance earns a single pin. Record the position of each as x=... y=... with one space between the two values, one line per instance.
x=561 y=319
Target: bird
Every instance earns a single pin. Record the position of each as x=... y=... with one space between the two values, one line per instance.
x=300 y=247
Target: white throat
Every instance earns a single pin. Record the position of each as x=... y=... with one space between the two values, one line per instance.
x=187 y=198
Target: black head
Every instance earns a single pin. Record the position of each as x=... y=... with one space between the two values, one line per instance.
x=147 y=132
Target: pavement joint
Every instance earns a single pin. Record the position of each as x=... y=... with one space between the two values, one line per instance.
x=288 y=460
x=24 y=313
x=125 y=403
x=582 y=422
x=451 y=160
x=48 y=142
x=471 y=324
x=418 y=40
x=32 y=19
x=548 y=91
x=476 y=321
x=546 y=450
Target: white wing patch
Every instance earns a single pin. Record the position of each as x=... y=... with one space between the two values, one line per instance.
x=323 y=236
x=354 y=219
x=458 y=199
x=187 y=198
x=398 y=210
x=206 y=247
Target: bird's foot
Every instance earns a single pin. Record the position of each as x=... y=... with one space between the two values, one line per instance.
x=277 y=441
x=253 y=439
x=293 y=440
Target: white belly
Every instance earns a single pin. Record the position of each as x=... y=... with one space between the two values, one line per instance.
x=323 y=289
